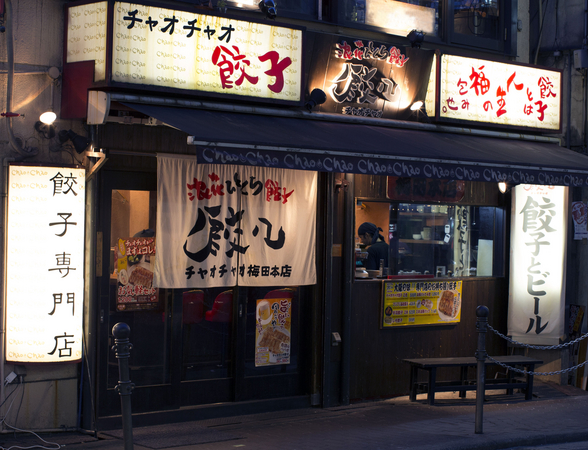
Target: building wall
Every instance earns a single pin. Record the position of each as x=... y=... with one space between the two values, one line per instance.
x=49 y=395
x=555 y=33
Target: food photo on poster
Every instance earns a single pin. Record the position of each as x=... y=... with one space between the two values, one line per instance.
x=272 y=331
x=135 y=258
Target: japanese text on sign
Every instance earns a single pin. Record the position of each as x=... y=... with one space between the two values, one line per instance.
x=507 y=94
x=180 y=49
x=362 y=83
x=45 y=242
x=536 y=298
x=408 y=303
x=235 y=223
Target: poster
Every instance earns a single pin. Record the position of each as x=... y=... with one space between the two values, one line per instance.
x=134 y=263
x=421 y=303
x=272 y=331
x=580 y=217
x=225 y=225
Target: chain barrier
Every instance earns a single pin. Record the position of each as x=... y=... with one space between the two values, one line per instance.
x=536 y=347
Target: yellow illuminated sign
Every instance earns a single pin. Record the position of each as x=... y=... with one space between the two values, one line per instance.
x=425 y=302
x=45 y=264
x=498 y=93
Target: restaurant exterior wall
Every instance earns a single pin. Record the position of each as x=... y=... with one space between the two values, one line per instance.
x=560 y=42
x=48 y=395
x=51 y=391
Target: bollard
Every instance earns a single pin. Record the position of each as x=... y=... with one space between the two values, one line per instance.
x=481 y=326
x=122 y=347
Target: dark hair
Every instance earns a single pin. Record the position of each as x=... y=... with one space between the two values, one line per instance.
x=372 y=229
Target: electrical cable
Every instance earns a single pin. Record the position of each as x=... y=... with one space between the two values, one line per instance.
x=55 y=445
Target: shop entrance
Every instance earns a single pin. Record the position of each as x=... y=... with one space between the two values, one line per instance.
x=190 y=346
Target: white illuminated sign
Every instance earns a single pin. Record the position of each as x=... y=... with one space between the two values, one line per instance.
x=86 y=36
x=499 y=93
x=178 y=49
x=537 y=260
x=45 y=264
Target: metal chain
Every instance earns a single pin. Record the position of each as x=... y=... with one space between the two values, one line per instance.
x=538 y=347
x=526 y=372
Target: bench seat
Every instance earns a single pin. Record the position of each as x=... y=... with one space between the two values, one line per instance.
x=463 y=384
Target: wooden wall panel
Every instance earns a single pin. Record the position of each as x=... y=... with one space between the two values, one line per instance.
x=377 y=370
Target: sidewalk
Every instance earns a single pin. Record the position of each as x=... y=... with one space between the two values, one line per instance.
x=557 y=414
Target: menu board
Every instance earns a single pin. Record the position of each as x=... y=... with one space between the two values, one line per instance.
x=406 y=303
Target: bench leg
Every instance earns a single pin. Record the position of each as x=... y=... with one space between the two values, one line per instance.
x=432 y=377
x=529 y=393
x=462 y=379
x=413 y=382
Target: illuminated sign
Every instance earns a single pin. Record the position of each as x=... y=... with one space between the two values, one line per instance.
x=499 y=93
x=86 y=36
x=45 y=264
x=154 y=46
x=400 y=18
x=426 y=302
x=368 y=79
x=537 y=260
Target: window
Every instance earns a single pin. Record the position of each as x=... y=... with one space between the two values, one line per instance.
x=473 y=23
x=394 y=17
x=306 y=9
x=438 y=240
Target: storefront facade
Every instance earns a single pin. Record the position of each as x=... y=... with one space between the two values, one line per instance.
x=224 y=98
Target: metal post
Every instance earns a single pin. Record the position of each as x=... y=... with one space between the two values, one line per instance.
x=122 y=347
x=481 y=326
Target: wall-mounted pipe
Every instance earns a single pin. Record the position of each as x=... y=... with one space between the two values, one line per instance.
x=28 y=152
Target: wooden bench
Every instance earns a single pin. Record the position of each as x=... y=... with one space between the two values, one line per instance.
x=463 y=384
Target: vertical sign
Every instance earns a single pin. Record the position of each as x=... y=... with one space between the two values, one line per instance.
x=537 y=264
x=45 y=264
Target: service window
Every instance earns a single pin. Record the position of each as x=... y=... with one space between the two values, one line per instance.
x=449 y=237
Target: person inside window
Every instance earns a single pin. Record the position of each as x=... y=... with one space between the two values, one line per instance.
x=369 y=235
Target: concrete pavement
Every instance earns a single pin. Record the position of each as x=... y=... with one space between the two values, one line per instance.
x=556 y=415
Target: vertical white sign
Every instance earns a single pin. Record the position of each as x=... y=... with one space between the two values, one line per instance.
x=45 y=264
x=537 y=264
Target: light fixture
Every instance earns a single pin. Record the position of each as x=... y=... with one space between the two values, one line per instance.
x=49 y=116
x=418 y=112
x=416 y=105
x=80 y=143
x=416 y=38
x=45 y=130
x=268 y=7
x=317 y=97
x=504 y=187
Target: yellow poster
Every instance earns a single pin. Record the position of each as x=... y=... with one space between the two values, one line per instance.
x=421 y=303
x=272 y=331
